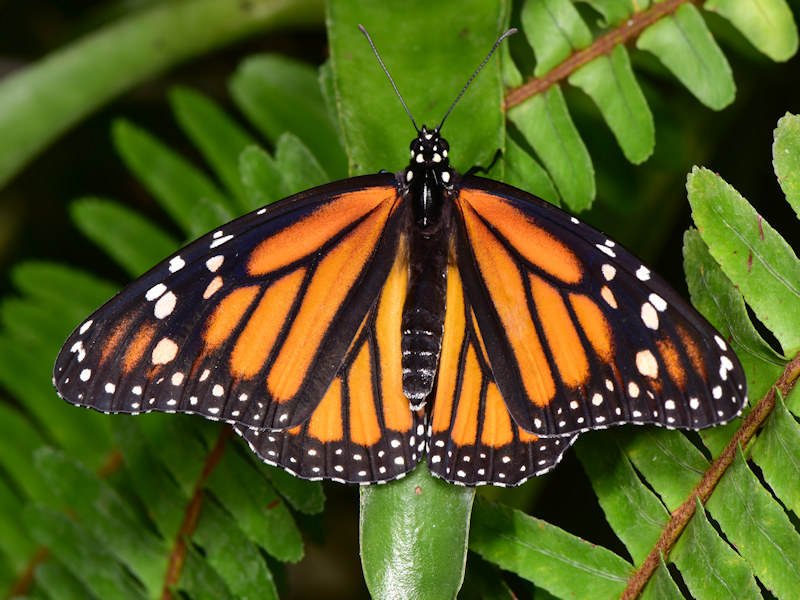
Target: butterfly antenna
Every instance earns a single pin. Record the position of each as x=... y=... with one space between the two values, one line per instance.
x=511 y=31
x=385 y=70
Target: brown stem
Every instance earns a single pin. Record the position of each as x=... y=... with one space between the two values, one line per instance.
x=681 y=516
x=630 y=29
x=177 y=557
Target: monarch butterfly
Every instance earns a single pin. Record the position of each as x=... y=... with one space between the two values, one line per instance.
x=347 y=330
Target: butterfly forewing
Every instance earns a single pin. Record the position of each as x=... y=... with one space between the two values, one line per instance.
x=579 y=334
x=363 y=430
x=249 y=323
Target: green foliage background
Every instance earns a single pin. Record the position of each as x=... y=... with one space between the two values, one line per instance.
x=133 y=127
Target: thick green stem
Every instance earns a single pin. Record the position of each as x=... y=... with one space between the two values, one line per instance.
x=40 y=102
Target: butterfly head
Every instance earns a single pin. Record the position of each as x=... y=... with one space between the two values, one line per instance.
x=429 y=158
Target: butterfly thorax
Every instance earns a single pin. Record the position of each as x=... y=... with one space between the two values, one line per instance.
x=426 y=182
x=427 y=177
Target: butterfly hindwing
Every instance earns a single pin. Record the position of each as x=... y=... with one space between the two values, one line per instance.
x=473 y=439
x=363 y=430
x=579 y=333
x=250 y=323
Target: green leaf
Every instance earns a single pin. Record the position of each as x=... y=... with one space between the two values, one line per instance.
x=16 y=545
x=280 y=95
x=661 y=586
x=255 y=506
x=717 y=298
x=19 y=440
x=120 y=232
x=610 y=82
x=756 y=525
x=777 y=453
x=561 y=563
x=298 y=167
x=218 y=137
x=235 y=558
x=786 y=158
x=768 y=24
x=106 y=517
x=305 y=496
x=165 y=500
x=684 y=44
x=617 y=11
x=200 y=581
x=401 y=558
x=86 y=558
x=670 y=463
x=709 y=566
x=546 y=125
x=429 y=71
x=631 y=508
x=554 y=30
x=522 y=171
x=181 y=189
x=59 y=584
x=751 y=253
x=261 y=177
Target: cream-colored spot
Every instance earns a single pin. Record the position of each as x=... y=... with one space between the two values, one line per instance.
x=155 y=291
x=649 y=316
x=218 y=390
x=165 y=351
x=212 y=288
x=165 y=305
x=597 y=399
x=110 y=388
x=177 y=378
x=605 y=292
x=608 y=272
x=643 y=273
x=214 y=263
x=658 y=302
x=633 y=390
x=176 y=263
x=646 y=363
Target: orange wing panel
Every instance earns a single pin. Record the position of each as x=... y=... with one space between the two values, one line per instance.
x=507 y=289
x=364 y=427
x=333 y=278
x=534 y=243
x=265 y=323
x=226 y=316
x=282 y=249
x=496 y=428
x=326 y=421
x=562 y=338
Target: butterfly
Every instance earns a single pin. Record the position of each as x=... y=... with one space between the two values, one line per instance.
x=349 y=330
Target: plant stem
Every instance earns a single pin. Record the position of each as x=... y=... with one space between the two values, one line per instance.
x=40 y=102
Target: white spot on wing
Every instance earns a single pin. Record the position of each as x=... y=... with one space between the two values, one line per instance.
x=214 y=263
x=649 y=316
x=165 y=351
x=165 y=305
x=155 y=291
x=212 y=287
x=176 y=263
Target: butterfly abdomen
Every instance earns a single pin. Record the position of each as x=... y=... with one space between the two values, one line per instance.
x=423 y=314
